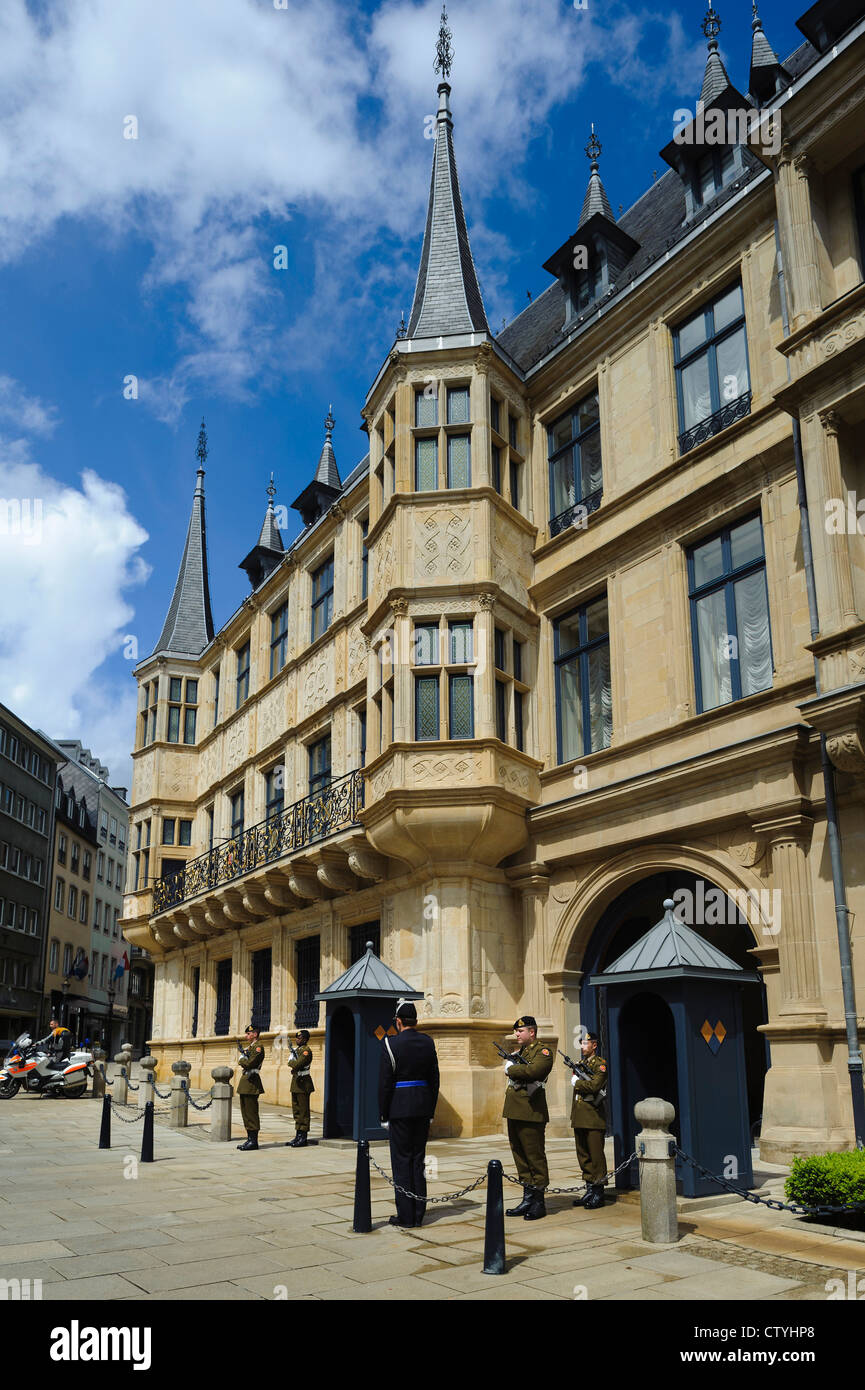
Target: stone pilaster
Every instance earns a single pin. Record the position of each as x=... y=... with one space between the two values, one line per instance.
x=403 y=717
x=841 y=599
x=485 y=671
x=532 y=881
x=563 y=991
x=789 y=838
x=801 y=272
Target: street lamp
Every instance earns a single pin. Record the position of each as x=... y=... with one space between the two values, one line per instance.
x=64 y=1006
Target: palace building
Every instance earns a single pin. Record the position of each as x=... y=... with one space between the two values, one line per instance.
x=574 y=638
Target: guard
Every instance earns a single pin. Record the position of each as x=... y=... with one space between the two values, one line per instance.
x=408 y=1092
x=526 y=1112
x=589 y=1123
x=301 y=1089
x=250 y=1086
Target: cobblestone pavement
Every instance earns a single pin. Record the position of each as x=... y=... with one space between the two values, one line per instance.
x=205 y=1221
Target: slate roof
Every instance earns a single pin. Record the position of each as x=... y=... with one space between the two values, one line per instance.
x=596 y=199
x=657 y=221
x=670 y=944
x=372 y=977
x=270 y=537
x=189 y=625
x=447 y=297
x=715 y=79
x=327 y=471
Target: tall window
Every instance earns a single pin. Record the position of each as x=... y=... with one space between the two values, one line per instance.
x=712 y=172
x=223 y=996
x=154 y=696
x=584 y=711
x=441 y=655
x=361 y=732
x=274 y=791
x=459 y=461
x=730 y=615
x=359 y=935
x=426 y=464
x=53 y=956
x=364 y=557
x=859 y=204
x=242 y=675
x=308 y=979
x=319 y=765
x=262 y=970
x=196 y=991
x=216 y=696
x=278 y=638
x=322 y=599
x=576 y=478
x=59 y=894
x=236 y=804
x=712 y=377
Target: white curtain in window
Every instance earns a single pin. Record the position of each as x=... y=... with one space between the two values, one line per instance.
x=696 y=395
x=570 y=710
x=563 y=483
x=713 y=642
x=752 y=621
x=590 y=463
x=732 y=359
x=600 y=698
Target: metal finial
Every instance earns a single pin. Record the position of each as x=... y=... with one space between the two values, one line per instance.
x=271 y=491
x=444 y=52
x=201 y=446
x=711 y=26
x=756 y=22
x=329 y=423
x=593 y=149
x=402 y=330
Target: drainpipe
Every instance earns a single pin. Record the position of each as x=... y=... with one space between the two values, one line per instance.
x=842 y=912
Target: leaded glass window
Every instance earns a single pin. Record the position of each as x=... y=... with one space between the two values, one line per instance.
x=584 y=713
x=730 y=615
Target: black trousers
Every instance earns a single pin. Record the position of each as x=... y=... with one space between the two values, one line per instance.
x=407 y=1152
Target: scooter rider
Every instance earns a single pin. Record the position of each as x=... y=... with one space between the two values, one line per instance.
x=58 y=1043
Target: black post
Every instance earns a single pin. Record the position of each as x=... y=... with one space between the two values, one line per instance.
x=105 y=1127
x=494 y=1230
x=147 y=1134
x=362 y=1205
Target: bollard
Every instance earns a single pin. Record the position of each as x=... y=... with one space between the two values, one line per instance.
x=147 y=1134
x=222 y=1092
x=98 y=1073
x=494 y=1226
x=146 y=1093
x=362 y=1222
x=105 y=1126
x=119 y=1092
x=178 y=1117
x=654 y=1145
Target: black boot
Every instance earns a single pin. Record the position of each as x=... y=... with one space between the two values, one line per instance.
x=522 y=1208
x=301 y=1140
x=581 y=1201
x=297 y=1142
x=537 y=1208
x=595 y=1198
x=251 y=1140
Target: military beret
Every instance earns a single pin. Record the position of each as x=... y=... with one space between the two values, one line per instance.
x=527 y=1021
x=592 y=1037
x=302 y=1033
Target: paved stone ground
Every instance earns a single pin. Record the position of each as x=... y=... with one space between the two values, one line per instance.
x=207 y=1222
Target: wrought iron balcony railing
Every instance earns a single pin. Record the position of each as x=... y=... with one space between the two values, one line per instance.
x=574 y=515
x=713 y=424
x=305 y=823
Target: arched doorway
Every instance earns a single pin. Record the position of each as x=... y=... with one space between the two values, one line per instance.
x=629 y=917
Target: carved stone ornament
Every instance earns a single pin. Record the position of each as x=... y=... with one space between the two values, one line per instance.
x=847 y=751
x=399 y=607
x=486 y=601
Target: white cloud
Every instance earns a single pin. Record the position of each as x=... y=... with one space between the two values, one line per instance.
x=22 y=413
x=68 y=558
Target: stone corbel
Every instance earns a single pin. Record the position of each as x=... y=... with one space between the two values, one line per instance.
x=334 y=873
x=232 y=906
x=365 y=863
x=304 y=882
x=198 y=923
x=840 y=715
x=278 y=893
x=255 y=903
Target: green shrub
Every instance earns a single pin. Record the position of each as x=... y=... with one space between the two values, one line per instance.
x=832 y=1180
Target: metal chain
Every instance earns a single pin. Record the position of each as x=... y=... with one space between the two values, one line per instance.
x=129 y=1119
x=162 y=1095
x=767 y=1201
x=132 y=1085
x=448 y=1197
x=184 y=1087
x=105 y=1078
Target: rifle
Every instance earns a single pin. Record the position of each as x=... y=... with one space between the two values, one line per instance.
x=578 y=1068
x=507 y=1056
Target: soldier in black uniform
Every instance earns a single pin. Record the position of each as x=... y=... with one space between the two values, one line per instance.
x=407 y=1094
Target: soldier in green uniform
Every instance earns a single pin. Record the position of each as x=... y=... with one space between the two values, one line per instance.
x=301 y=1089
x=526 y=1112
x=250 y=1086
x=589 y=1123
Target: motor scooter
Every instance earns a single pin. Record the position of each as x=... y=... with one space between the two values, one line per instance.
x=30 y=1066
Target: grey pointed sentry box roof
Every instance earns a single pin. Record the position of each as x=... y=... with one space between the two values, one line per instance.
x=189 y=625
x=447 y=297
x=370 y=977
x=671 y=948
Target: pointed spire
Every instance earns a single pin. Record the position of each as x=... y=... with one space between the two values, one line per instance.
x=596 y=199
x=267 y=554
x=768 y=75
x=447 y=297
x=327 y=471
x=715 y=79
x=189 y=624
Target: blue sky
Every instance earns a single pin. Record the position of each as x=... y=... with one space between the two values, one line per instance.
x=300 y=126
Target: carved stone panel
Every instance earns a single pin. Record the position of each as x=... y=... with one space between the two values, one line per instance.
x=443 y=546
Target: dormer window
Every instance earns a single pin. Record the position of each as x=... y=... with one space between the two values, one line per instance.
x=713 y=171
x=590 y=283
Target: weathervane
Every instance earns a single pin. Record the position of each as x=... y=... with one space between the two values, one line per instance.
x=329 y=423
x=444 y=52
x=711 y=26
x=201 y=446
x=593 y=149
x=271 y=491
